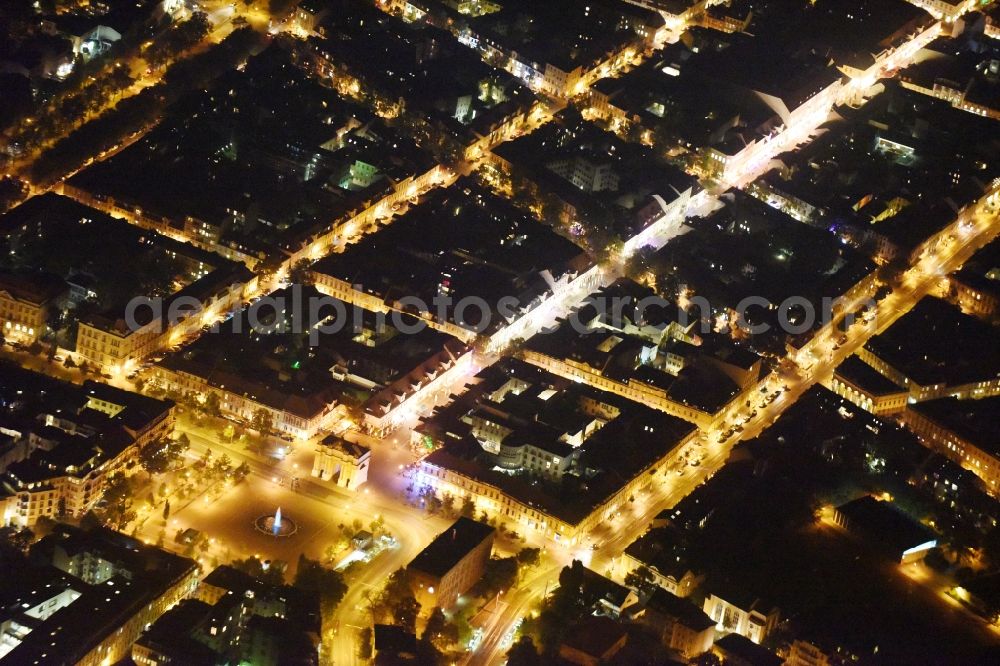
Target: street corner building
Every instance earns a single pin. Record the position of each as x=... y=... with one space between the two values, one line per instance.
x=452 y=563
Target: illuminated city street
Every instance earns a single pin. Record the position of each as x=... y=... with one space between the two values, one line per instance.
x=281 y=436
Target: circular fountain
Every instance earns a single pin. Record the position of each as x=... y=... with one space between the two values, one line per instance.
x=275 y=525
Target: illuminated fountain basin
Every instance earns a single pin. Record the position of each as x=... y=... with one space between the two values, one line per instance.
x=275 y=525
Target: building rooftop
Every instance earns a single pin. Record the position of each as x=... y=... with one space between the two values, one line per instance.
x=986 y=588
x=695 y=510
x=295 y=604
x=683 y=610
x=61 y=237
x=594 y=635
x=737 y=647
x=609 y=182
x=171 y=634
x=93 y=610
x=936 y=344
x=899 y=168
x=36 y=289
x=883 y=521
x=964 y=65
x=605 y=335
x=448 y=548
x=86 y=425
x=848 y=32
x=748 y=249
x=623 y=440
x=353 y=363
x=352 y=449
x=230 y=578
x=439 y=78
x=459 y=242
x=259 y=162
x=604 y=590
x=663 y=549
x=982 y=271
x=788 y=75
x=973 y=420
x=858 y=373
x=564 y=33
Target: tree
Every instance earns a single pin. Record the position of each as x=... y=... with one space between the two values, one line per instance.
x=223 y=466
x=448 y=504
x=529 y=557
x=500 y=575
x=430 y=500
x=405 y=612
x=565 y=606
x=301 y=273
x=161 y=454
x=640 y=579
x=241 y=472
x=612 y=249
x=468 y=507
x=376 y=525
x=89 y=521
x=14 y=541
x=12 y=191
x=440 y=630
x=398 y=583
x=353 y=409
x=272 y=573
x=166 y=511
x=553 y=209
x=891 y=273
x=312 y=576
x=365 y=643
x=118 y=500
x=634 y=133
x=523 y=653
x=396 y=601
x=153 y=458
x=262 y=422
x=212 y=404
x=178 y=39
x=44 y=526
x=707 y=659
